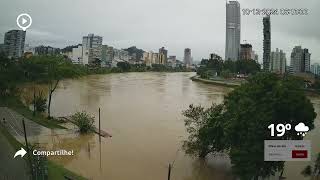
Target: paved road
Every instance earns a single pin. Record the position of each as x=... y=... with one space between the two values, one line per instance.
x=11 y=169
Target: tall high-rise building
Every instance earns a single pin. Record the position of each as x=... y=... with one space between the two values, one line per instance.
x=245 y=51
x=266 y=43
x=300 y=60
x=14 y=43
x=187 y=57
x=233 y=28
x=91 y=48
x=278 y=62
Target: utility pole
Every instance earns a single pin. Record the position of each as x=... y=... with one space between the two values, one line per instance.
x=25 y=134
x=99 y=127
x=169 y=171
x=34 y=101
x=100 y=140
x=27 y=146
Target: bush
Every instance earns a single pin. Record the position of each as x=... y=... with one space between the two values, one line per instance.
x=40 y=102
x=84 y=121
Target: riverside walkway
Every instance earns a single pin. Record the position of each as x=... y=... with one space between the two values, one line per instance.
x=13 y=123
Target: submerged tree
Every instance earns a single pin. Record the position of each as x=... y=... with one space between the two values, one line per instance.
x=53 y=80
x=314 y=171
x=84 y=121
x=205 y=130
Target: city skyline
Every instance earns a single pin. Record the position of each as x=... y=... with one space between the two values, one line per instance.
x=129 y=27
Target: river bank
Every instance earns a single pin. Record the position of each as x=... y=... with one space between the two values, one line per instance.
x=227 y=83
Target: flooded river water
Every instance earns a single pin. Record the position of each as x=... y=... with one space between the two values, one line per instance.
x=143 y=113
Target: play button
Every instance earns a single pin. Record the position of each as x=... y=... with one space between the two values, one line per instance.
x=24 y=21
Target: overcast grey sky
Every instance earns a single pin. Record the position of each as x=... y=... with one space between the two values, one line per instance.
x=151 y=24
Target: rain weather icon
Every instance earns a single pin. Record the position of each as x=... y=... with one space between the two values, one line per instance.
x=301 y=129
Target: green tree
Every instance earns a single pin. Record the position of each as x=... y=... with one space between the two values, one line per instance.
x=205 y=130
x=247 y=112
x=53 y=80
x=124 y=66
x=247 y=67
x=230 y=65
x=10 y=74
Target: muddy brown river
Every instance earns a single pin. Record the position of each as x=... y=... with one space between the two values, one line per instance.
x=142 y=111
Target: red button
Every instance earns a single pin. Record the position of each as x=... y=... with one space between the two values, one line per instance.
x=299 y=154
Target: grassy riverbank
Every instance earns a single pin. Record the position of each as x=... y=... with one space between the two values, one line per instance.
x=55 y=171
x=15 y=103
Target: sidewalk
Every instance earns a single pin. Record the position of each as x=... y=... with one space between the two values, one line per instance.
x=13 y=123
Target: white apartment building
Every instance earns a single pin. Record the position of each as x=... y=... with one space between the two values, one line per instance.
x=76 y=56
x=91 y=49
x=278 y=61
x=315 y=68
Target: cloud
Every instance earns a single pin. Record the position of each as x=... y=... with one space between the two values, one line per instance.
x=151 y=24
x=301 y=127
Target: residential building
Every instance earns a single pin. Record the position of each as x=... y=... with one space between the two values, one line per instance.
x=233 y=28
x=172 y=61
x=105 y=60
x=14 y=43
x=315 y=68
x=155 y=58
x=266 y=43
x=2 y=48
x=300 y=60
x=163 y=55
x=92 y=47
x=109 y=56
x=119 y=55
x=278 y=62
x=147 y=58
x=187 y=59
x=254 y=56
x=162 y=59
x=29 y=49
x=76 y=56
x=245 y=51
x=46 y=50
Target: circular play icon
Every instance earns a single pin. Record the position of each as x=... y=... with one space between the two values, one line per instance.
x=24 y=21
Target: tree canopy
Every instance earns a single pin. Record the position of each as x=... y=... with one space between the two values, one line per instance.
x=224 y=68
x=239 y=125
